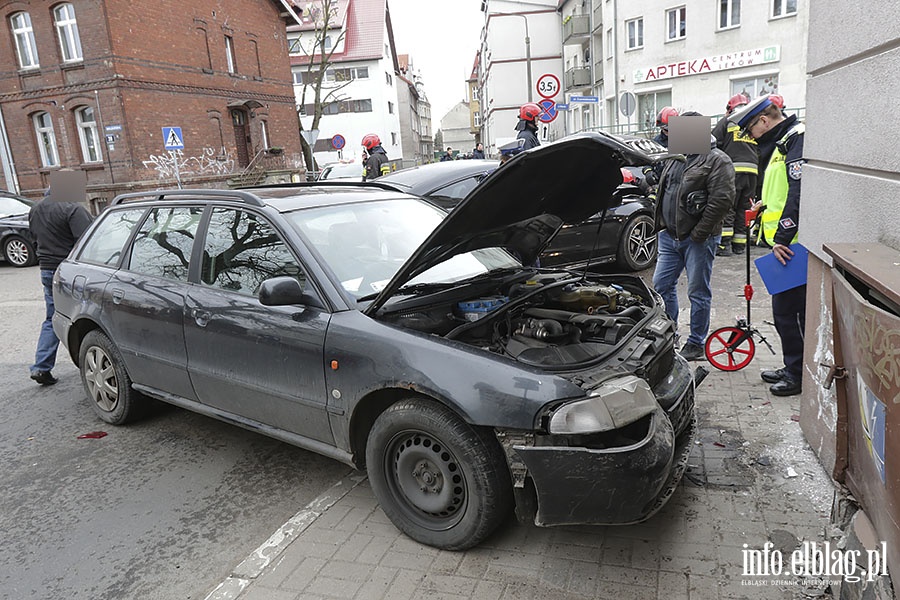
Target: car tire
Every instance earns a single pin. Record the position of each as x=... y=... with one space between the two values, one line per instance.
x=106 y=382
x=638 y=243
x=441 y=481
x=19 y=252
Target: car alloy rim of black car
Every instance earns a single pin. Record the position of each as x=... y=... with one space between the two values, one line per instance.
x=642 y=243
x=426 y=480
x=17 y=251
x=100 y=377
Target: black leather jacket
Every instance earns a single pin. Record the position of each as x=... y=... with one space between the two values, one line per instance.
x=712 y=176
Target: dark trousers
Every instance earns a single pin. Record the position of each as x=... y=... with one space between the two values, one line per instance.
x=744 y=189
x=789 y=310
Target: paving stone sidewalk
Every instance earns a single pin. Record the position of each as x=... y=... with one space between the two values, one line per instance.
x=752 y=479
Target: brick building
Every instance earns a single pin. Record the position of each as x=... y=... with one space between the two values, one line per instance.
x=90 y=85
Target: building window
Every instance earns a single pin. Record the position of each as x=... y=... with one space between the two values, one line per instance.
x=783 y=8
x=610 y=46
x=754 y=87
x=346 y=74
x=474 y=94
x=649 y=106
x=676 y=18
x=390 y=108
x=344 y=106
x=25 y=45
x=388 y=78
x=393 y=139
x=87 y=133
x=43 y=127
x=328 y=42
x=477 y=118
x=256 y=54
x=67 y=30
x=229 y=54
x=635 y=31
x=729 y=13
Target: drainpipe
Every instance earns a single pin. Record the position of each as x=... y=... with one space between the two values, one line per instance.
x=616 y=60
x=9 y=168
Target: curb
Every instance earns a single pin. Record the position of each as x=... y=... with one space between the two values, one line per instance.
x=253 y=566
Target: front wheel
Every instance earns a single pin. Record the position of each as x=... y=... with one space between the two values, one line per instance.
x=106 y=381
x=440 y=481
x=18 y=252
x=637 y=243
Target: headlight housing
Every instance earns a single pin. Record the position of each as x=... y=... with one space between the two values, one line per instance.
x=613 y=405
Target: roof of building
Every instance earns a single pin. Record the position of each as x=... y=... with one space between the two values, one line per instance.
x=364 y=31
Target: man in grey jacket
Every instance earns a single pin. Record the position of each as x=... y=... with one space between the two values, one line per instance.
x=694 y=195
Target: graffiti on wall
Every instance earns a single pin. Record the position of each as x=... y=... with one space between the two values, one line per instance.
x=824 y=356
x=208 y=163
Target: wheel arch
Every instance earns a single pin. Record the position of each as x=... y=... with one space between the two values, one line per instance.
x=76 y=335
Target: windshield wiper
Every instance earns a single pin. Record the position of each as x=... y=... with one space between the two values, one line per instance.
x=416 y=288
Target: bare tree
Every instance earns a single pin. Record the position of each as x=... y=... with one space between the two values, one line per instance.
x=319 y=47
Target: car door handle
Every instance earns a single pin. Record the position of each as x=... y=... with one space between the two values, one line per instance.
x=201 y=317
x=117 y=296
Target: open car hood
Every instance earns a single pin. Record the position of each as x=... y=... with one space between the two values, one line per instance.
x=522 y=204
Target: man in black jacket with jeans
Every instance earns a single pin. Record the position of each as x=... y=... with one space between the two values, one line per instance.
x=694 y=195
x=56 y=226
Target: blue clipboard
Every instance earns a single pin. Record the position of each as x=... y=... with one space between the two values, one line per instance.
x=780 y=278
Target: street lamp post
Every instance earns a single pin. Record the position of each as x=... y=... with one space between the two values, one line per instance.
x=527 y=55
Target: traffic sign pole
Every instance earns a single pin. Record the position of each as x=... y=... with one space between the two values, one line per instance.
x=173 y=154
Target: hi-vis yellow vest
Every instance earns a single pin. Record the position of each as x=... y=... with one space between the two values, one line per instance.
x=775 y=188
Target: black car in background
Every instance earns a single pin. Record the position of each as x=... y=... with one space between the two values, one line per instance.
x=19 y=248
x=627 y=236
x=373 y=327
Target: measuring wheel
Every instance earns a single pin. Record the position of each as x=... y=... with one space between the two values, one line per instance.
x=730 y=348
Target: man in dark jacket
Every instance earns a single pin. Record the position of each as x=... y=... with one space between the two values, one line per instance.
x=695 y=192
x=56 y=227
x=377 y=163
x=448 y=155
x=780 y=225
x=479 y=151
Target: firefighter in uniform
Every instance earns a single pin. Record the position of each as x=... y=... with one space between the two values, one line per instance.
x=662 y=121
x=741 y=149
x=527 y=127
x=780 y=226
x=377 y=163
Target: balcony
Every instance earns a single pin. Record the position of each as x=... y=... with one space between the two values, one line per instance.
x=598 y=72
x=578 y=77
x=576 y=28
x=598 y=17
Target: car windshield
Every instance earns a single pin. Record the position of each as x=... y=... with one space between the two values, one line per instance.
x=366 y=243
x=10 y=207
x=339 y=171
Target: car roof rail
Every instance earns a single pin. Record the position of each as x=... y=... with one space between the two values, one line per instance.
x=239 y=195
x=337 y=183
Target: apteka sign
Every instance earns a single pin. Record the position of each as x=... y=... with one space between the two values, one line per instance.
x=709 y=64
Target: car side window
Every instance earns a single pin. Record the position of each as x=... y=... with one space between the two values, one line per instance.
x=109 y=237
x=163 y=245
x=242 y=250
x=457 y=190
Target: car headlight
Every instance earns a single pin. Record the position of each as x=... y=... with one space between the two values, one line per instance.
x=615 y=404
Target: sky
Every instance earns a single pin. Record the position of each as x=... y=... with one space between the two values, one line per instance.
x=441 y=38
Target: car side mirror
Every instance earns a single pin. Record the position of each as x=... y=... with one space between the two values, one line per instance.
x=286 y=291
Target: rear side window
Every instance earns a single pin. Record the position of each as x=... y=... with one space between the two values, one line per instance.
x=109 y=237
x=162 y=247
x=241 y=251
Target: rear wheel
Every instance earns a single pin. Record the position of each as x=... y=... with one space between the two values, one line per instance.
x=441 y=481
x=637 y=243
x=18 y=252
x=106 y=381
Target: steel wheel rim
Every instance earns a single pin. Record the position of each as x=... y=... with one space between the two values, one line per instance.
x=642 y=243
x=100 y=378
x=17 y=252
x=426 y=480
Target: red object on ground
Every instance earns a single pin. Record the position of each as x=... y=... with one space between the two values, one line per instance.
x=94 y=435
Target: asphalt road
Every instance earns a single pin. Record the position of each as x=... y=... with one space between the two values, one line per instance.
x=161 y=509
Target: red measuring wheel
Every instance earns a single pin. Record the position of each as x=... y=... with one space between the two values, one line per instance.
x=730 y=348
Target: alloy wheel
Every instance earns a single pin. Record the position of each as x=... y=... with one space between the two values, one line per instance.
x=101 y=380
x=642 y=243
x=18 y=252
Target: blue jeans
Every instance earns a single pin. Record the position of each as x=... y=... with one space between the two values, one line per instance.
x=45 y=357
x=697 y=259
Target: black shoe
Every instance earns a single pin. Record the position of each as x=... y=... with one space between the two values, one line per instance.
x=723 y=251
x=44 y=377
x=786 y=387
x=738 y=248
x=773 y=376
x=691 y=351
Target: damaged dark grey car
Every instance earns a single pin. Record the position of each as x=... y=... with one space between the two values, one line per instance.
x=366 y=325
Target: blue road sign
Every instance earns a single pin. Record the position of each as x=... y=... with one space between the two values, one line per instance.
x=338 y=142
x=562 y=106
x=549 y=108
x=588 y=99
x=172 y=138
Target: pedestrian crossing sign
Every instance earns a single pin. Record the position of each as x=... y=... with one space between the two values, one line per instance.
x=172 y=138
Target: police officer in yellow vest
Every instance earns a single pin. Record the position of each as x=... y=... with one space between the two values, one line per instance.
x=780 y=222
x=741 y=149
